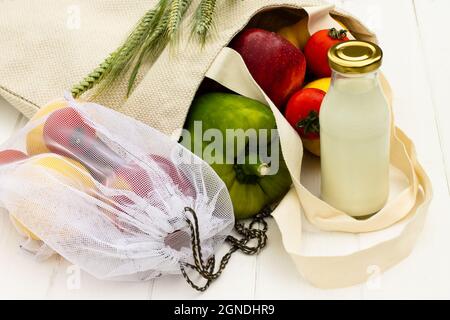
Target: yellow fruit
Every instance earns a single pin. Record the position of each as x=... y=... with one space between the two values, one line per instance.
x=296 y=34
x=75 y=174
x=120 y=183
x=322 y=84
x=49 y=108
x=35 y=138
x=23 y=229
x=341 y=24
x=312 y=146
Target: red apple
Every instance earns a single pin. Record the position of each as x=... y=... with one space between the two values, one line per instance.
x=130 y=178
x=134 y=178
x=9 y=156
x=177 y=176
x=66 y=133
x=275 y=64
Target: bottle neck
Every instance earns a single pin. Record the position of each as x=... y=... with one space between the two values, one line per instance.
x=354 y=83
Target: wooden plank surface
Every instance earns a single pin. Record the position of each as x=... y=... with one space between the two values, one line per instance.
x=432 y=17
x=416 y=64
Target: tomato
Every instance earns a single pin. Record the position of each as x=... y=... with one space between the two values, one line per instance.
x=302 y=112
x=316 y=50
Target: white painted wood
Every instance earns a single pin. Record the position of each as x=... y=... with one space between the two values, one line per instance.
x=417 y=67
x=21 y=276
x=69 y=282
x=277 y=277
x=432 y=18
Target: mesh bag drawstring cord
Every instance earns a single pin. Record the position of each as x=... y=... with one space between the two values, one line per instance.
x=249 y=233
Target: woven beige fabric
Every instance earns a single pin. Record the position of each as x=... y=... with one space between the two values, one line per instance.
x=46 y=46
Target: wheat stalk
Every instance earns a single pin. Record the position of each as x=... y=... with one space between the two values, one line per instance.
x=93 y=78
x=156 y=29
x=122 y=60
x=204 y=18
x=177 y=10
x=151 y=48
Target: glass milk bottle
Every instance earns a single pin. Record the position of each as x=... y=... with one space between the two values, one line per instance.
x=355 y=131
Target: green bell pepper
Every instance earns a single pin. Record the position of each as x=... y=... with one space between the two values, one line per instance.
x=251 y=181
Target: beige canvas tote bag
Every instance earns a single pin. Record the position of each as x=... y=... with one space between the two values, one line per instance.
x=313 y=233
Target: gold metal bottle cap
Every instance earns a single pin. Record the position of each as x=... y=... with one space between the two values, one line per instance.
x=355 y=57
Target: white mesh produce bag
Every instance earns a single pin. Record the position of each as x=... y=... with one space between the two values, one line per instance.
x=110 y=194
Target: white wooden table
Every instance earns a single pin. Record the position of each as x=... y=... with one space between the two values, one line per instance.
x=414 y=36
